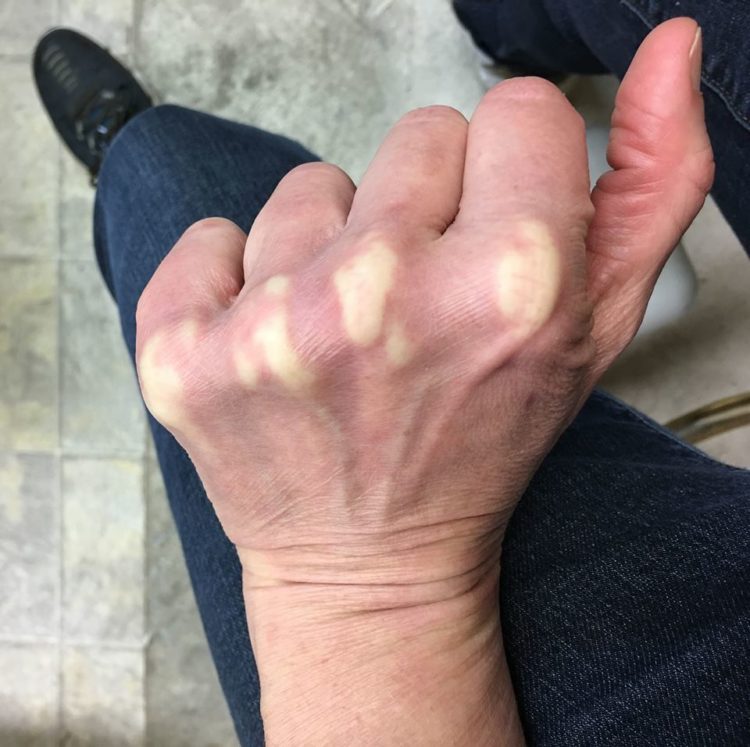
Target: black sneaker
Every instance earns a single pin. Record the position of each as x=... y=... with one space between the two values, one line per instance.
x=87 y=93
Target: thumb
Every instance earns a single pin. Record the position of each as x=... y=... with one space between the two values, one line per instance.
x=662 y=169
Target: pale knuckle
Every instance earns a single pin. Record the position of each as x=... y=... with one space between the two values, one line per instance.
x=171 y=380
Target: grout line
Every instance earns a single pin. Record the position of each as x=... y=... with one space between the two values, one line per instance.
x=103 y=643
x=28 y=257
x=58 y=456
x=59 y=461
x=75 y=455
x=60 y=581
x=146 y=606
x=135 y=40
x=15 y=57
x=137 y=13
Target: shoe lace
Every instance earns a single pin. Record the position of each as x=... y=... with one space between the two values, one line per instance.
x=100 y=118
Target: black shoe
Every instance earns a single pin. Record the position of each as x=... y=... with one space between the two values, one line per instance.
x=87 y=93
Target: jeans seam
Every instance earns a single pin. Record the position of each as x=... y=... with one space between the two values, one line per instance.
x=708 y=80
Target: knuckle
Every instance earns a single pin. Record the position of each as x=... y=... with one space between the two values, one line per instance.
x=317 y=171
x=292 y=203
x=532 y=88
x=144 y=309
x=396 y=211
x=528 y=278
x=311 y=192
x=166 y=375
x=214 y=223
x=435 y=114
x=265 y=345
x=363 y=284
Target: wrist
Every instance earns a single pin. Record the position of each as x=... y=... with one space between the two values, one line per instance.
x=334 y=670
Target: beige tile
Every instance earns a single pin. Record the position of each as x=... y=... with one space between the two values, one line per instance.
x=22 y=22
x=103 y=553
x=101 y=409
x=29 y=545
x=184 y=702
x=28 y=355
x=102 y=697
x=29 y=694
x=110 y=23
x=29 y=177
x=704 y=355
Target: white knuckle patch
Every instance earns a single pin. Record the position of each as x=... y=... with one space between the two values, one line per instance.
x=161 y=384
x=247 y=369
x=362 y=285
x=528 y=278
x=272 y=338
x=277 y=285
x=398 y=347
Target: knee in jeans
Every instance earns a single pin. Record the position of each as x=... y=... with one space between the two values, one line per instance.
x=153 y=141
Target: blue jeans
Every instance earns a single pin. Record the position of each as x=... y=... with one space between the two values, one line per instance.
x=601 y=36
x=625 y=595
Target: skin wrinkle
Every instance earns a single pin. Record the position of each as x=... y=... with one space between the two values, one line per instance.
x=362 y=284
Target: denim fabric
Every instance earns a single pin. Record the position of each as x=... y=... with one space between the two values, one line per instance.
x=167 y=169
x=625 y=596
x=602 y=36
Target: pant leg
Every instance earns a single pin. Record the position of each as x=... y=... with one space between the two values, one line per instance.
x=624 y=611
x=602 y=36
x=626 y=590
x=168 y=168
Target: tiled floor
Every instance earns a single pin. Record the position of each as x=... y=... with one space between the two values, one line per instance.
x=99 y=637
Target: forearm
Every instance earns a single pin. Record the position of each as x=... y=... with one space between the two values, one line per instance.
x=420 y=675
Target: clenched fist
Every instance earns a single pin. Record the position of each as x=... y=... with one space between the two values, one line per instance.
x=367 y=381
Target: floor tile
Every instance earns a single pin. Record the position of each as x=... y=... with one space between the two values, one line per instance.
x=28 y=355
x=352 y=73
x=450 y=77
x=29 y=694
x=184 y=702
x=29 y=545
x=103 y=553
x=110 y=23
x=22 y=22
x=101 y=409
x=102 y=697
x=29 y=177
x=76 y=209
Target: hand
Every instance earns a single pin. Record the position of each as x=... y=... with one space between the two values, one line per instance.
x=367 y=382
